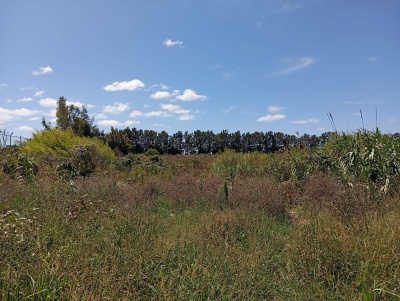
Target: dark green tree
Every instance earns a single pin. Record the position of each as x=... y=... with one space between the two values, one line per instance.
x=74 y=118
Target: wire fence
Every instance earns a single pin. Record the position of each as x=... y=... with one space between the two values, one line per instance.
x=10 y=140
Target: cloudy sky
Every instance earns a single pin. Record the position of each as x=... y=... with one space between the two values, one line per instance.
x=248 y=65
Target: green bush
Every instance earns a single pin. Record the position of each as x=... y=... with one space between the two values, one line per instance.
x=64 y=144
x=152 y=152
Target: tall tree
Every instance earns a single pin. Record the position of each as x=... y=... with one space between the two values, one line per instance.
x=62 y=114
x=72 y=117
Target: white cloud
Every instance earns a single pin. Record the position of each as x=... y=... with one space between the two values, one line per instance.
x=186 y=117
x=100 y=116
x=305 y=121
x=295 y=65
x=24 y=128
x=75 y=103
x=320 y=129
x=273 y=109
x=160 y=95
x=38 y=94
x=392 y=120
x=89 y=106
x=174 y=109
x=48 y=102
x=135 y=114
x=126 y=85
x=373 y=59
x=33 y=118
x=157 y=114
x=117 y=108
x=25 y=99
x=110 y=122
x=159 y=125
x=170 y=107
x=132 y=122
x=8 y=100
x=190 y=95
x=8 y=115
x=229 y=109
x=170 y=43
x=3 y=85
x=164 y=87
x=52 y=113
x=43 y=70
x=269 y=118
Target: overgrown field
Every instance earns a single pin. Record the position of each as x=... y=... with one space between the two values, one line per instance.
x=78 y=223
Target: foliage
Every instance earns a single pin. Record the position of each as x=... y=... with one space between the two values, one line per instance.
x=369 y=157
x=67 y=171
x=85 y=159
x=63 y=144
x=207 y=142
x=71 y=117
x=21 y=166
x=119 y=141
x=151 y=152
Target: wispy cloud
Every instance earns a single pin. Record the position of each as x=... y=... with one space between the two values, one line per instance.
x=157 y=114
x=273 y=109
x=305 y=121
x=111 y=122
x=25 y=99
x=187 y=117
x=287 y=7
x=230 y=109
x=373 y=59
x=174 y=109
x=24 y=128
x=294 y=65
x=3 y=85
x=100 y=116
x=170 y=43
x=270 y=118
x=125 y=85
x=43 y=70
x=38 y=94
x=116 y=108
x=136 y=113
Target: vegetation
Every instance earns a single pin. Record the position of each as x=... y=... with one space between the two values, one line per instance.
x=78 y=223
x=71 y=117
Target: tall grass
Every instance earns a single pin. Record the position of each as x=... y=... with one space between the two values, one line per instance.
x=166 y=231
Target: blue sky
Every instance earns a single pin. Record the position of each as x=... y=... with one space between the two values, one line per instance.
x=173 y=65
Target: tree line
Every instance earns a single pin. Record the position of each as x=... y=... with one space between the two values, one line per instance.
x=133 y=140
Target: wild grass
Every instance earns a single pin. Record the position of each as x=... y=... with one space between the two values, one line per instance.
x=164 y=230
